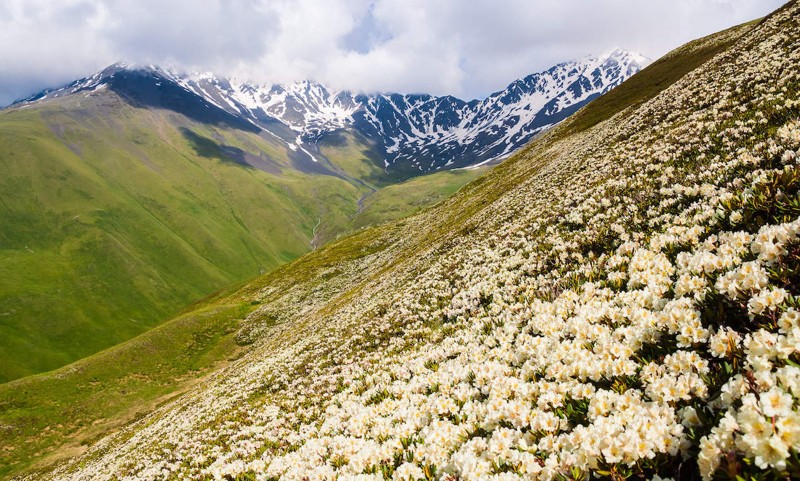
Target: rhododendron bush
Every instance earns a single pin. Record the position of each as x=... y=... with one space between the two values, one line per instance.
x=632 y=309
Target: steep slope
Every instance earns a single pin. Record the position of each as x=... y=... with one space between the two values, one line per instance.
x=114 y=218
x=413 y=133
x=617 y=302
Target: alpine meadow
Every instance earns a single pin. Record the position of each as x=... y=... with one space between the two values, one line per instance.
x=592 y=274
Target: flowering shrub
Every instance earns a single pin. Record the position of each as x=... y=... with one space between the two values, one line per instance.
x=630 y=309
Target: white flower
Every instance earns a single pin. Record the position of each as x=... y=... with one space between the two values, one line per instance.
x=766 y=300
x=408 y=472
x=789 y=320
x=776 y=402
x=689 y=417
x=723 y=342
x=771 y=452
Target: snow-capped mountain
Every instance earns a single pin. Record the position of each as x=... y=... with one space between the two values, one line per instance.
x=414 y=133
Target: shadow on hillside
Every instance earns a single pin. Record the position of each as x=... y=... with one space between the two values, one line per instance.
x=205 y=147
x=143 y=89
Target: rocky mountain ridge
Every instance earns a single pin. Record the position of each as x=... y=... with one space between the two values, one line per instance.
x=414 y=133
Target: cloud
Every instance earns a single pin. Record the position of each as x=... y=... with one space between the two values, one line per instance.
x=191 y=33
x=435 y=46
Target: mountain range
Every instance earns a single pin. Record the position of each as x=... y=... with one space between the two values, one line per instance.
x=413 y=134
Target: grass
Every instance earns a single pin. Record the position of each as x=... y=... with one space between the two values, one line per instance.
x=111 y=224
x=49 y=416
x=355 y=157
x=401 y=200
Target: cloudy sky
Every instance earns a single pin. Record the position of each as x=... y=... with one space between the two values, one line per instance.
x=467 y=48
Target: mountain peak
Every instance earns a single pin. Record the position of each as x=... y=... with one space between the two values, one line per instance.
x=626 y=56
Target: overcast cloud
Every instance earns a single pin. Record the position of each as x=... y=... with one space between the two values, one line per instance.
x=459 y=47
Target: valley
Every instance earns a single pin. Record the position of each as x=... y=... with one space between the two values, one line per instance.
x=134 y=192
x=115 y=223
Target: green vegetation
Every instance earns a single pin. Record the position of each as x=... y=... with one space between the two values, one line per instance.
x=114 y=218
x=113 y=223
x=352 y=155
x=406 y=198
x=50 y=416
x=78 y=403
x=47 y=417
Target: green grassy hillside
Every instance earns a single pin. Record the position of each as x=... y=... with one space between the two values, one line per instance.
x=114 y=218
x=353 y=156
x=405 y=198
x=55 y=415
x=112 y=223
